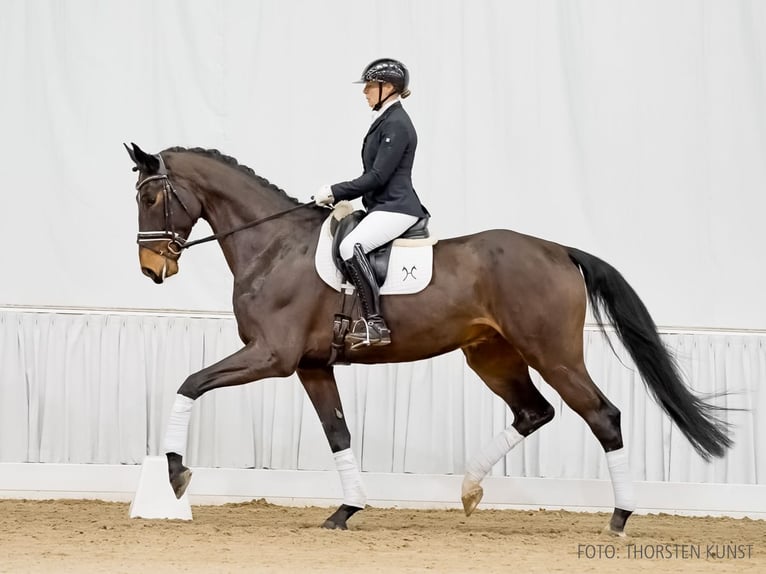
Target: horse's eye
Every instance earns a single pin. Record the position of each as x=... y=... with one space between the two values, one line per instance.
x=148 y=200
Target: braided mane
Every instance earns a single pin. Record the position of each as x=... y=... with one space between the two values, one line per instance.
x=228 y=160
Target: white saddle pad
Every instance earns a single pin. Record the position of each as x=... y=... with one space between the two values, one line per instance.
x=409 y=269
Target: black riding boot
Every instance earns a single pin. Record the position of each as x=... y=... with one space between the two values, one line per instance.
x=372 y=329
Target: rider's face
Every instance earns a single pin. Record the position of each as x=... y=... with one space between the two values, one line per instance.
x=372 y=93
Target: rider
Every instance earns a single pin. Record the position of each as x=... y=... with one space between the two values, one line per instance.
x=388 y=152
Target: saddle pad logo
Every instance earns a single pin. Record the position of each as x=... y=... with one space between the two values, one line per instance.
x=409 y=273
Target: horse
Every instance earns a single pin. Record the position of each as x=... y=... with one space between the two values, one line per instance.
x=510 y=302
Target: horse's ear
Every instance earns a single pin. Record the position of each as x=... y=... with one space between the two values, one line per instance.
x=144 y=161
x=132 y=156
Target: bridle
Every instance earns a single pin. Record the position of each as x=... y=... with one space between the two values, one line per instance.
x=174 y=239
x=177 y=242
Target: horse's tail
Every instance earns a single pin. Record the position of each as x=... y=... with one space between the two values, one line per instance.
x=695 y=418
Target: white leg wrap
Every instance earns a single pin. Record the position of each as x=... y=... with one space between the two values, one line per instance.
x=350 y=478
x=619 y=470
x=177 y=433
x=481 y=464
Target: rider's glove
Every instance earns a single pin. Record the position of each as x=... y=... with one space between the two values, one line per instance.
x=324 y=196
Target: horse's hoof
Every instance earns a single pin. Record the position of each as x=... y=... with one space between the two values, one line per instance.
x=616 y=526
x=471 y=498
x=180 y=482
x=330 y=525
x=338 y=519
x=608 y=530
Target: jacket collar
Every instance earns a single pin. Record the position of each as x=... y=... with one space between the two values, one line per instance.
x=384 y=115
x=384 y=107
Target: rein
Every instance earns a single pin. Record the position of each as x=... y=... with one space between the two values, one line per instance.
x=176 y=242
x=187 y=244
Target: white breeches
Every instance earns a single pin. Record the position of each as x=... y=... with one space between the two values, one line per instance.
x=376 y=229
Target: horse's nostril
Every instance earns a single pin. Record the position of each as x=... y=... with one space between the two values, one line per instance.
x=151 y=275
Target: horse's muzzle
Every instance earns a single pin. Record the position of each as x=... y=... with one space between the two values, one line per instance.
x=155 y=266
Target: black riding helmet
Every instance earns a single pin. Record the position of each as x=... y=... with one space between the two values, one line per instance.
x=387 y=70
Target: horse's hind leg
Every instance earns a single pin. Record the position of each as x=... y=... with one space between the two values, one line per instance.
x=580 y=392
x=323 y=391
x=506 y=373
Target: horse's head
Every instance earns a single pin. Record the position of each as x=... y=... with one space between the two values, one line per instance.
x=166 y=215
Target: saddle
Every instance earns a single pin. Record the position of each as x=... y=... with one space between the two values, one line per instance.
x=379 y=258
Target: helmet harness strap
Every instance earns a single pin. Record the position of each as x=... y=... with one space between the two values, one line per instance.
x=381 y=99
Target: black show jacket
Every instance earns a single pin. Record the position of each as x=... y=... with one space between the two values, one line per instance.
x=388 y=153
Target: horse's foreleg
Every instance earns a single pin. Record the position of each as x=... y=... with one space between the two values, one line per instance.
x=323 y=392
x=504 y=371
x=248 y=364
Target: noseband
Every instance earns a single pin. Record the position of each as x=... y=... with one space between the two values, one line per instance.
x=176 y=242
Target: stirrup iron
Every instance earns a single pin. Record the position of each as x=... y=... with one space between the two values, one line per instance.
x=367 y=335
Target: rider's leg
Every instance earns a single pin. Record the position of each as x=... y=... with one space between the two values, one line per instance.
x=372 y=329
x=376 y=229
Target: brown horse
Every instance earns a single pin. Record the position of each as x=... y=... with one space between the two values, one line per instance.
x=508 y=301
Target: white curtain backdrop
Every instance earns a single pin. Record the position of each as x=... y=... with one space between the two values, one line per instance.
x=97 y=388
x=635 y=130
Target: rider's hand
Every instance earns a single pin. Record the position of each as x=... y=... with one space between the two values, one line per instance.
x=324 y=196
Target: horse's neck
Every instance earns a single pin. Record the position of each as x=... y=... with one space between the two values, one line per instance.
x=227 y=209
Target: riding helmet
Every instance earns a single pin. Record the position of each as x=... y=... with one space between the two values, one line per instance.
x=387 y=70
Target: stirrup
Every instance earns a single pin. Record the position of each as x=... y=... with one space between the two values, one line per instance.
x=369 y=333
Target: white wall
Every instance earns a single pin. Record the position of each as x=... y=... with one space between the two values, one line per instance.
x=635 y=130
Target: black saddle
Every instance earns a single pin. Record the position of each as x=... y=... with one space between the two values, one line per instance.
x=378 y=257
